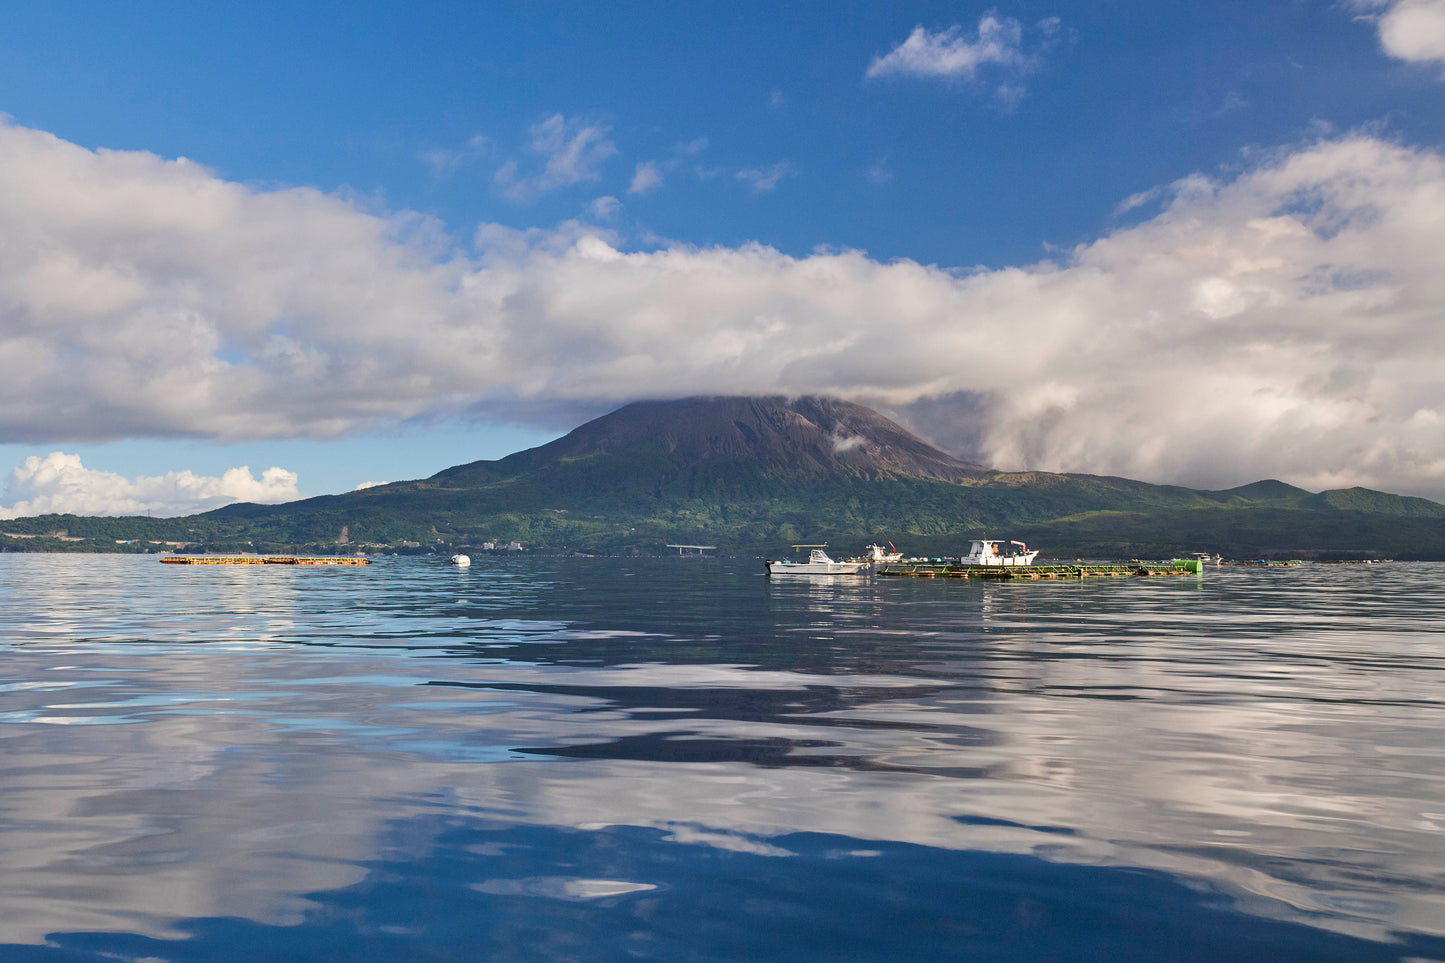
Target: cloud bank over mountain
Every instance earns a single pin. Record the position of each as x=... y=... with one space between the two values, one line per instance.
x=1286 y=319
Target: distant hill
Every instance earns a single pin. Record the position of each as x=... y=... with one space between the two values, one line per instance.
x=756 y=474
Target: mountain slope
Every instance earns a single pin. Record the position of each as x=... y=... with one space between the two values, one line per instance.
x=807 y=436
x=651 y=458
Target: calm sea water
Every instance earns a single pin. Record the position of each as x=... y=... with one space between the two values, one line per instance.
x=675 y=759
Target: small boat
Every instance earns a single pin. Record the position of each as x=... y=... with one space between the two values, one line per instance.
x=818 y=563
x=874 y=555
x=986 y=552
x=462 y=560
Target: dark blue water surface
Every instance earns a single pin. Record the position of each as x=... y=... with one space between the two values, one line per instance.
x=677 y=759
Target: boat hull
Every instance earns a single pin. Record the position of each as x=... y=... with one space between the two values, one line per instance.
x=814 y=568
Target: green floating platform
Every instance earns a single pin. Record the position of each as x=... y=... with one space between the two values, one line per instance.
x=1028 y=572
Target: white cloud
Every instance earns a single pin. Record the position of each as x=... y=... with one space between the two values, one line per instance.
x=1233 y=101
x=762 y=180
x=369 y=484
x=1411 y=30
x=573 y=152
x=1138 y=200
x=1284 y=321
x=648 y=177
x=1010 y=96
x=59 y=483
x=604 y=207
x=948 y=53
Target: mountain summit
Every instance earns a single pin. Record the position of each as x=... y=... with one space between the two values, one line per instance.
x=807 y=436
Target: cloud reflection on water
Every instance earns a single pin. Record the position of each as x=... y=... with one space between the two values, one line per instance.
x=298 y=730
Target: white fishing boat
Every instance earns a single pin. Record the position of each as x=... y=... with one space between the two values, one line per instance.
x=818 y=563
x=986 y=552
x=875 y=555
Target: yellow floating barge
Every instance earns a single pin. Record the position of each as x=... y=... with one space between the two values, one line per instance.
x=264 y=560
x=1011 y=572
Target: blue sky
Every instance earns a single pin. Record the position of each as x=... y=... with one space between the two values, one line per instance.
x=410 y=236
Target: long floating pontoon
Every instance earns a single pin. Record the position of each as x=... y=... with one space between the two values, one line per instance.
x=264 y=560
x=1009 y=572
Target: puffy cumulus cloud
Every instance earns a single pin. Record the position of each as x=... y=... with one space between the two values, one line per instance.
x=1285 y=321
x=59 y=483
x=1410 y=29
x=140 y=296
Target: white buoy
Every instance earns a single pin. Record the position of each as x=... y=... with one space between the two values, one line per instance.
x=461 y=560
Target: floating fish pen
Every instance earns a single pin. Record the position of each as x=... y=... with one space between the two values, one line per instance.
x=265 y=560
x=1076 y=570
